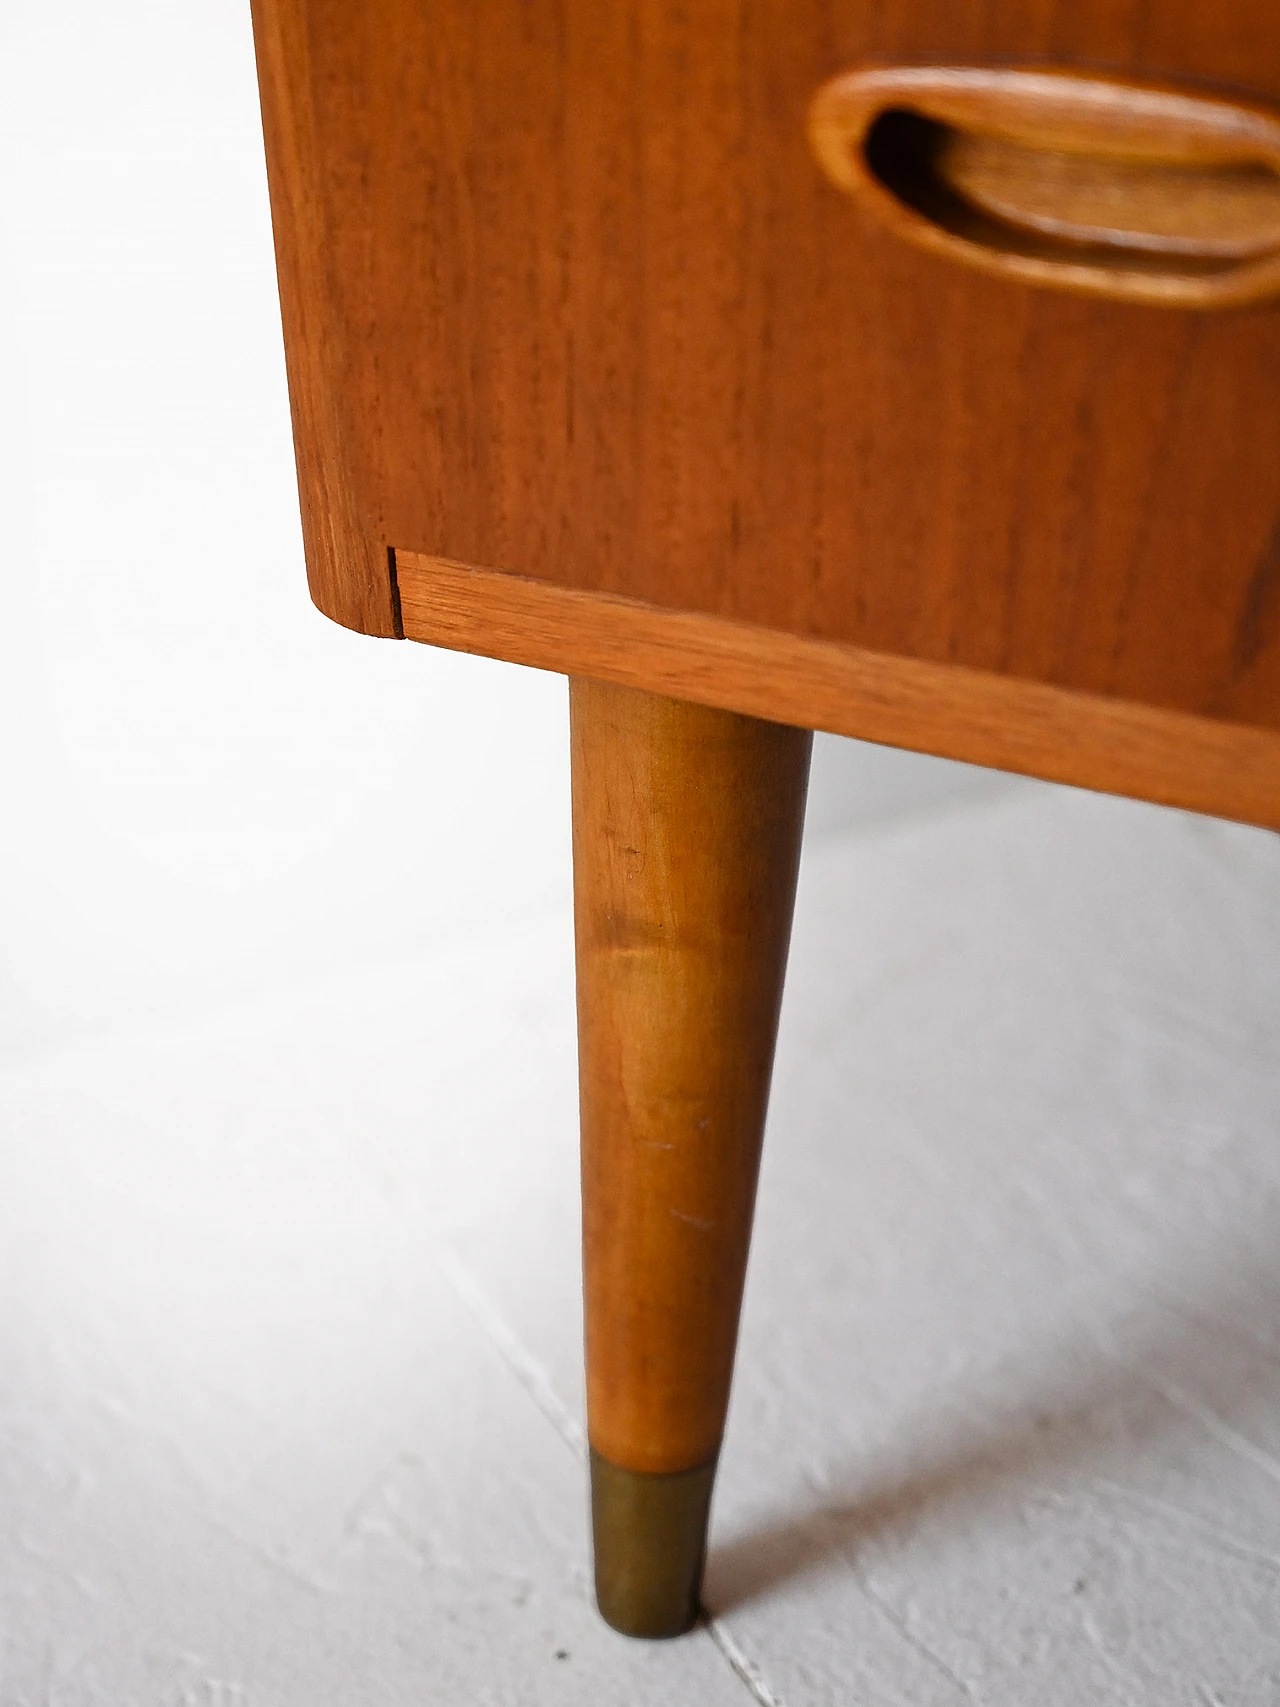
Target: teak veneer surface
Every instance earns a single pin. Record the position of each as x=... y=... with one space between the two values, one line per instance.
x=568 y=297
x=1226 y=769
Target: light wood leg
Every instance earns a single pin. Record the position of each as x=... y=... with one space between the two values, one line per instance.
x=686 y=843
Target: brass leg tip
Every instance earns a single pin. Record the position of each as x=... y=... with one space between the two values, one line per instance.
x=650 y=1537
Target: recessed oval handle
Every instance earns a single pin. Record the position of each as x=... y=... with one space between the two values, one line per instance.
x=1116 y=188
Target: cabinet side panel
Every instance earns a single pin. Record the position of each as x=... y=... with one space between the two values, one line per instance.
x=605 y=323
x=347 y=561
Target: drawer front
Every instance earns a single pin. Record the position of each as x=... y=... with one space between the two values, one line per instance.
x=589 y=310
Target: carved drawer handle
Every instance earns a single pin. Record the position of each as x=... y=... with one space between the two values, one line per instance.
x=1115 y=188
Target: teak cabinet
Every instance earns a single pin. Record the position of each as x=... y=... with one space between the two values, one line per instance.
x=907 y=370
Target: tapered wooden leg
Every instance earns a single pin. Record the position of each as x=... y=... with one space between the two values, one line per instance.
x=686 y=843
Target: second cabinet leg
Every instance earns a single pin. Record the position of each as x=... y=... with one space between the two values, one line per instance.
x=686 y=843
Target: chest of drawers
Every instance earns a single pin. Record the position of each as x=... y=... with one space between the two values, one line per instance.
x=902 y=369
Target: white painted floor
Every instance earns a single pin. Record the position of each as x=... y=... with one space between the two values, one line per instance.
x=290 y=1393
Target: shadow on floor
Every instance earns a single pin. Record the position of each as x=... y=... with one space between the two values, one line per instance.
x=1176 y=1371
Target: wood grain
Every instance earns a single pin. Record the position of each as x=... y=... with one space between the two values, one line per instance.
x=568 y=296
x=686 y=845
x=1223 y=768
x=1212 y=212
x=347 y=563
x=1103 y=185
